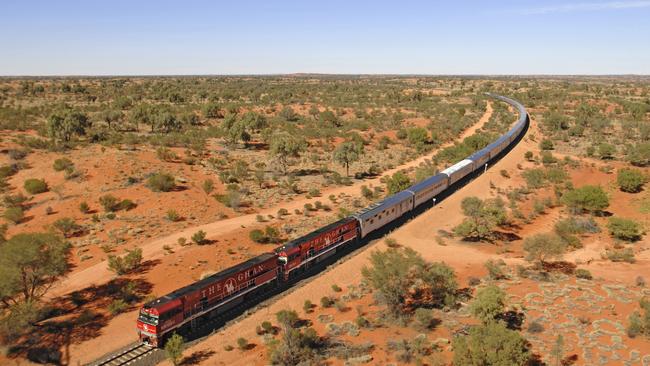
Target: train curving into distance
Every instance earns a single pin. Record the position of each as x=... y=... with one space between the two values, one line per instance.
x=224 y=290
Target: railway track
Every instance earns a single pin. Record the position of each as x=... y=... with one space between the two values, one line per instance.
x=126 y=356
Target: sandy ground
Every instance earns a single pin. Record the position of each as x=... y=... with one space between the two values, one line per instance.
x=152 y=250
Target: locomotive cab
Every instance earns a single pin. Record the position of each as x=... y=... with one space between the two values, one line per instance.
x=148 y=325
x=157 y=318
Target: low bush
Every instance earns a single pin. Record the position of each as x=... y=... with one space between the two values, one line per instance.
x=84 y=208
x=14 y=214
x=326 y=302
x=125 y=264
x=172 y=215
x=35 y=186
x=108 y=202
x=583 y=273
x=620 y=255
x=624 y=229
x=63 y=164
x=161 y=182
x=630 y=180
x=117 y=306
x=199 y=237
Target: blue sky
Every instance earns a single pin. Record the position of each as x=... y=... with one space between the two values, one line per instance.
x=95 y=37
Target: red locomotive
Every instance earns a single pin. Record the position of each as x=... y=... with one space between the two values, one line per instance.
x=230 y=287
x=298 y=254
x=222 y=291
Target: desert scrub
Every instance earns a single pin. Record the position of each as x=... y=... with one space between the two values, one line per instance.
x=35 y=186
x=161 y=182
x=624 y=229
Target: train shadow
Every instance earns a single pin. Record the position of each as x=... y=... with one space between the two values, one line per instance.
x=76 y=318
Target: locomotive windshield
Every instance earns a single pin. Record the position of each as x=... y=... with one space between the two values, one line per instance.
x=148 y=318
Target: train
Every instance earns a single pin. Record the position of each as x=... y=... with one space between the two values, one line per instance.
x=226 y=289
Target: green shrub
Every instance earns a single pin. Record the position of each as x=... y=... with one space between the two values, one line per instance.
x=620 y=255
x=199 y=237
x=635 y=325
x=108 y=202
x=488 y=303
x=208 y=186
x=14 y=214
x=35 y=186
x=307 y=306
x=172 y=215
x=126 y=205
x=161 y=182
x=257 y=236
x=7 y=171
x=624 y=229
x=586 y=198
x=583 y=273
x=336 y=288
x=242 y=343
x=84 y=208
x=546 y=144
x=63 y=164
x=630 y=180
x=117 y=306
x=66 y=226
x=125 y=264
x=423 y=319
x=326 y=302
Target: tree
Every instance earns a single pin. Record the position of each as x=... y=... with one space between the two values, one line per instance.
x=288 y=114
x=212 y=110
x=347 y=153
x=405 y=281
x=174 y=349
x=542 y=247
x=397 y=183
x=141 y=114
x=630 y=180
x=329 y=117
x=166 y=122
x=284 y=146
x=491 y=344
x=418 y=137
x=294 y=346
x=481 y=218
x=488 y=304
x=63 y=124
x=110 y=116
x=586 y=198
x=624 y=229
x=30 y=263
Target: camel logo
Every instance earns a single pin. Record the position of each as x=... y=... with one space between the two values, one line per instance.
x=230 y=285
